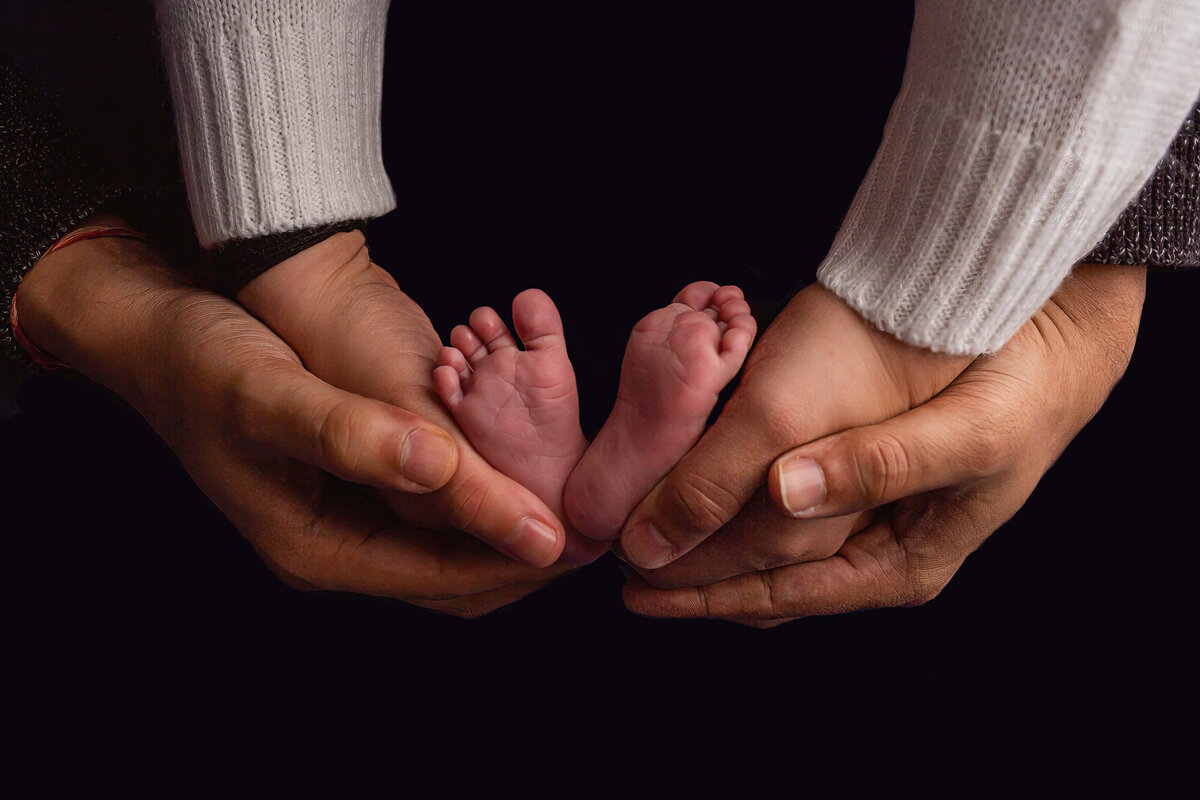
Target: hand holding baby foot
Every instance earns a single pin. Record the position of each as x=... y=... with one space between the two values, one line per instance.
x=519 y=408
x=678 y=360
x=819 y=368
x=354 y=328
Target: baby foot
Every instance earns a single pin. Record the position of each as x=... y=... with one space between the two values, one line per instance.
x=677 y=361
x=518 y=408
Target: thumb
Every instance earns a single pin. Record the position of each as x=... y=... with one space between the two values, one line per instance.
x=931 y=447
x=497 y=510
x=353 y=437
x=706 y=489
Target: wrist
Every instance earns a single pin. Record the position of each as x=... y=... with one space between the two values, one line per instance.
x=1099 y=311
x=92 y=306
x=1104 y=299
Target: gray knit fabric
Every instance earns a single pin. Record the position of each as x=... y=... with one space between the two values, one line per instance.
x=46 y=189
x=1161 y=227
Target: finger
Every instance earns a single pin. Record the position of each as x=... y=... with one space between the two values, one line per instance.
x=483 y=502
x=931 y=447
x=468 y=343
x=869 y=572
x=474 y=606
x=316 y=532
x=490 y=329
x=757 y=539
x=502 y=513
x=354 y=544
x=359 y=439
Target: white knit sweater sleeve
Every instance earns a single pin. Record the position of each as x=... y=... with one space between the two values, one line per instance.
x=1022 y=129
x=277 y=106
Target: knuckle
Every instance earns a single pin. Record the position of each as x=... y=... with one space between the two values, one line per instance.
x=250 y=407
x=781 y=420
x=926 y=574
x=698 y=503
x=295 y=570
x=882 y=465
x=991 y=445
x=379 y=275
x=770 y=595
x=799 y=546
x=922 y=588
x=467 y=503
x=817 y=548
x=769 y=408
x=340 y=435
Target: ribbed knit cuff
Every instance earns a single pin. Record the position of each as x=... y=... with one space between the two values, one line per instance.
x=277 y=104
x=937 y=246
x=1020 y=133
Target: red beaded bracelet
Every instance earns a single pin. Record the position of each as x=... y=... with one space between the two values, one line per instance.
x=79 y=234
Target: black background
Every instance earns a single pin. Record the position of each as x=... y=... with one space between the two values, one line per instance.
x=607 y=157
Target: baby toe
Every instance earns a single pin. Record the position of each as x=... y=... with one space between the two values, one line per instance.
x=697 y=295
x=537 y=320
x=490 y=329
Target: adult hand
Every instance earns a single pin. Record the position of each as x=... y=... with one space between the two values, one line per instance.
x=953 y=470
x=352 y=326
x=259 y=434
x=819 y=368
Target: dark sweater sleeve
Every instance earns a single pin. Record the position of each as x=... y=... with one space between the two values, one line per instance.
x=233 y=264
x=46 y=189
x=1161 y=228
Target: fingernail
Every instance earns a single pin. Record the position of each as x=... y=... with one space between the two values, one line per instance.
x=801 y=485
x=425 y=458
x=532 y=541
x=646 y=547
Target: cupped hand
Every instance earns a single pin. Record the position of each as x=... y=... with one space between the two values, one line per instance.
x=353 y=327
x=819 y=368
x=261 y=436
x=942 y=476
